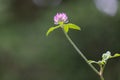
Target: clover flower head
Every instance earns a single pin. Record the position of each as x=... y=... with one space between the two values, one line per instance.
x=60 y=17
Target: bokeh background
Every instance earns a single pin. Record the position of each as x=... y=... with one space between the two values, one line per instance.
x=27 y=54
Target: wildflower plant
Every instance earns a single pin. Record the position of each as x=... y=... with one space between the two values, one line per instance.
x=61 y=21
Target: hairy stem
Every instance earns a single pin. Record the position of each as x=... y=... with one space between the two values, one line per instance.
x=81 y=54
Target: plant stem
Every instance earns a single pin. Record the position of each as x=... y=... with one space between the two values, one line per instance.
x=101 y=77
x=81 y=54
x=101 y=72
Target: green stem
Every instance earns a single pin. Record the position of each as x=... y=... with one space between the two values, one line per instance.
x=101 y=77
x=81 y=54
x=101 y=72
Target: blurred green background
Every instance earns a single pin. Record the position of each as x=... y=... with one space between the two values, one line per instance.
x=27 y=54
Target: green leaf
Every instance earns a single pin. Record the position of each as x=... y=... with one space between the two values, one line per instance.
x=51 y=29
x=115 y=55
x=66 y=28
x=73 y=26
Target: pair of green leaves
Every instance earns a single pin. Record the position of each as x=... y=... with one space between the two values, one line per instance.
x=105 y=57
x=65 y=27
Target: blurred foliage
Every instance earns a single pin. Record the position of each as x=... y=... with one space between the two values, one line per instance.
x=27 y=54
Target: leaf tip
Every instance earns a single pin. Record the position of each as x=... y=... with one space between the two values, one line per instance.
x=47 y=34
